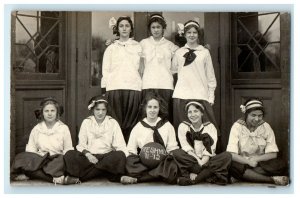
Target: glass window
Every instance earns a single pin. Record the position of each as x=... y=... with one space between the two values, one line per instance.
x=257 y=42
x=36 y=41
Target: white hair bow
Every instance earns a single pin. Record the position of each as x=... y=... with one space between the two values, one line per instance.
x=112 y=22
x=180 y=28
x=243 y=108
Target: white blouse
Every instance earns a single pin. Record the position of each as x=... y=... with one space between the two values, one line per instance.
x=196 y=80
x=157 y=62
x=141 y=135
x=246 y=143
x=101 y=139
x=120 y=68
x=56 y=140
x=199 y=149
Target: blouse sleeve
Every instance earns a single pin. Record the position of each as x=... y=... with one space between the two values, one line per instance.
x=233 y=143
x=271 y=142
x=118 y=142
x=211 y=78
x=174 y=66
x=182 y=130
x=31 y=145
x=106 y=64
x=132 y=142
x=82 y=137
x=171 y=142
x=67 y=140
x=212 y=131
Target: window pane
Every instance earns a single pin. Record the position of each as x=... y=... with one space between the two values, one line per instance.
x=258 y=42
x=37 y=44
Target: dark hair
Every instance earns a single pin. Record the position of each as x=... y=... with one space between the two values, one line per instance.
x=200 y=32
x=195 y=105
x=254 y=108
x=48 y=100
x=159 y=20
x=163 y=113
x=116 y=27
x=98 y=97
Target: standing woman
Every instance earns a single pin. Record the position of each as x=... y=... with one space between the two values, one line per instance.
x=154 y=127
x=199 y=139
x=253 y=147
x=49 y=140
x=196 y=77
x=101 y=150
x=157 y=54
x=121 y=78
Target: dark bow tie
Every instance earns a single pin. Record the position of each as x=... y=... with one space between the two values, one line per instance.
x=189 y=57
x=205 y=138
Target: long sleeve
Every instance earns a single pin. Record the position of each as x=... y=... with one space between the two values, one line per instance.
x=211 y=78
x=182 y=130
x=132 y=144
x=106 y=65
x=174 y=66
x=31 y=145
x=83 y=139
x=171 y=141
x=271 y=142
x=67 y=140
x=118 y=142
x=233 y=142
x=212 y=132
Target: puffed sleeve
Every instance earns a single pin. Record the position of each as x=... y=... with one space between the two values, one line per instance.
x=83 y=137
x=171 y=142
x=182 y=130
x=212 y=132
x=211 y=78
x=271 y=142
x=233 y=142
x=106 y=65
x=32 y=145
x=67 y=140
x=173 y=48
x=132 y=144
x=174 y=66
x=118 y=142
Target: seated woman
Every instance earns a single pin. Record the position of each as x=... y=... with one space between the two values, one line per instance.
x=152 y=128
x=101 y=150
x=253 y=147
x=199 y=140
x=49 y=140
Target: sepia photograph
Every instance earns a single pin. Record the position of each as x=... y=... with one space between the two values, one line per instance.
x=142 y=99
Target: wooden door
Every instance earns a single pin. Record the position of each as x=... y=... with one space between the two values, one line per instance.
x=255 y=62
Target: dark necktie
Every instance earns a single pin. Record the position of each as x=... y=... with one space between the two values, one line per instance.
x=156 y=136
x=206 y=139
x=189 y=57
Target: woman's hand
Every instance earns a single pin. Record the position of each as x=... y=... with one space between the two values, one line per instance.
x=252 y=163
x=91 y=158
x=193 y=176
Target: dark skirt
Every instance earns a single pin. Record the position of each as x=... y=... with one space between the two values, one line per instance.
x=124 y=107
x=111 y=165
x=166 y=95
x=38 y=167
x=217 y=165
x=273 y=167
x=178 y=163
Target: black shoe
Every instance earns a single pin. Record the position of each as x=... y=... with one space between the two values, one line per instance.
x=183 y=181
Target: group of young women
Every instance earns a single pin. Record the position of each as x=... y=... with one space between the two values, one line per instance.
x=145 y=107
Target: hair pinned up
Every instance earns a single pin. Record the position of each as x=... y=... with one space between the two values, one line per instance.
x=48 y=100
x=116 y=27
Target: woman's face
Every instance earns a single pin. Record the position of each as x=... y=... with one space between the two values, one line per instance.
x=254 y=118
x=152 y=109
x=194 y=114
x=191 y=35
x=156 y=30
x=50 y=113
x=100 y=111
x=124 y=29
